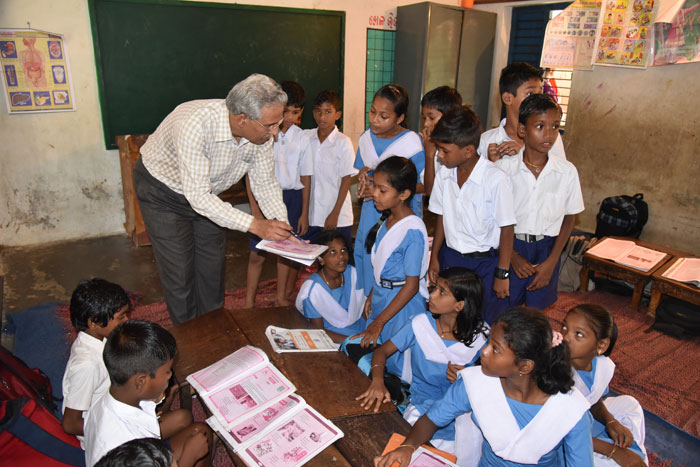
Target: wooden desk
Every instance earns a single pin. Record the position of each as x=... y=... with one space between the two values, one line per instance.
x=328 y=381
x=204 y=340
x=366 y=435
x=635 y=276
x=664 y=286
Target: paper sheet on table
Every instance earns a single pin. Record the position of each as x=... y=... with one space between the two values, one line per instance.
x=685 y=270
x=304 y=253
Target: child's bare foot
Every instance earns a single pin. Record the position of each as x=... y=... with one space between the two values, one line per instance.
x=282 y=302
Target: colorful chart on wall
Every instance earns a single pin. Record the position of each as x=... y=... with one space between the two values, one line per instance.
x=625 y=33
x=570 y=36
x=677 y=34
x=36 y=71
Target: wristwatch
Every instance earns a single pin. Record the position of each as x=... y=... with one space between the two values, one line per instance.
x=502 y=273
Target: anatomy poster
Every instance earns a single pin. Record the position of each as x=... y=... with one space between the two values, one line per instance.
x=570 y=36
x=36 y=73
x=625 y=32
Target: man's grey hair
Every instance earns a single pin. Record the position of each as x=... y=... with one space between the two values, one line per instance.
x=252 y=94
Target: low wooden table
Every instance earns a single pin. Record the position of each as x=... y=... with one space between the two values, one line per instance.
x=664 y=286
x=328 y=381
x=620 y=271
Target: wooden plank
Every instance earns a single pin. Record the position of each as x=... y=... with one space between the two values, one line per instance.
x=366 y=435
x=328 y=381
x=204 y=340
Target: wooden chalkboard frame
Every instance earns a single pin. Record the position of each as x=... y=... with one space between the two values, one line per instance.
x=122 y=86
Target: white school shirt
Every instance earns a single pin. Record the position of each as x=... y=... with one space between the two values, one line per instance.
x=290 y=165
x=498 y=135
x=85 y=379
x=473 y=215
x=332 y=160
x=541 y=203
x=111 y=423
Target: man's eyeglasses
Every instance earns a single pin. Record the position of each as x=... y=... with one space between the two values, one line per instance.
x=270 y=126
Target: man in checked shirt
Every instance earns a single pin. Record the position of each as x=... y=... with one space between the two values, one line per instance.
x=199 y=150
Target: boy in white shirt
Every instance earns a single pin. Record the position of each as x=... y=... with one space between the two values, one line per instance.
x=473 y=201
x=139 y=356
x=518 y=81
x=333 y=157
x=293 y=170
x=97 y=307
x=546 y=197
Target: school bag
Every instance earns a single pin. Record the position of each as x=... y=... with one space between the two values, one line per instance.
x=622 y=216
x=32 y=436
x=677 y=318
x=17 y=380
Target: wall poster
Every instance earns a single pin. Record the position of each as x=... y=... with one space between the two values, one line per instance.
x=36 y=71
x=625 y=33
x=570 y=36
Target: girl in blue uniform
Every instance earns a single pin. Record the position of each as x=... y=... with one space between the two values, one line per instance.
x=521 y=398
x=387 y=136
x=455 y=333
x=329 y=297
x=618 y=426
x=398 y=248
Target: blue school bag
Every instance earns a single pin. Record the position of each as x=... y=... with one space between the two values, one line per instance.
x=622 y=216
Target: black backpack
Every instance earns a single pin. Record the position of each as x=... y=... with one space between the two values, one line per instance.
x=677 y=318
x=622 y=216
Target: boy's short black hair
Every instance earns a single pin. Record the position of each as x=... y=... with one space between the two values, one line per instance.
x=459 y=126
x=97 y=300
x=537 y=104
x=295 y=93
x=517 y=73
x=442 y=99
x=330 y=96
x=137 y=347
x=144 y=452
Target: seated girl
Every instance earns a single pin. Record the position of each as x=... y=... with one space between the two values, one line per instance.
x=618 y=426
x=521 y=398
x=329 y=297
x=455 y=333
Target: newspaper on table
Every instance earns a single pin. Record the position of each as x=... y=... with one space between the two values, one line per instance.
x=257 y=413
x=685 y=270
x=299 y=340
x=627 y=253
x=304 y=253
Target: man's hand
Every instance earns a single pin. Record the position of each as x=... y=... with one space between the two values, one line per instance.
x=270 y=229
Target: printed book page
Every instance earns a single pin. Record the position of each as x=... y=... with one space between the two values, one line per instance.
x=249 y=394
x=292 y=249
x=293 y=441
x=239 y=362
x=685 y=270
x=299 y=340
x=628 y=253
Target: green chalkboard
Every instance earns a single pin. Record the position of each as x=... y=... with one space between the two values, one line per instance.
x=153 y=55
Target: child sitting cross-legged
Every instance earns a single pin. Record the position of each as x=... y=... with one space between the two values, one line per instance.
x=455 y=334
x=97 y=307
x=618 y=427
x=139 y=356
x=521 y=398
x=330 y=297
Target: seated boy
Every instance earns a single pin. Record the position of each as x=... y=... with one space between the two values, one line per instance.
x=546 y=197
x=139 y=356
x=293 y=170
x=518 y=81
x=333 y=157
x=473 y=201
x=432 y=106
x=142 y=452
x=97 y=307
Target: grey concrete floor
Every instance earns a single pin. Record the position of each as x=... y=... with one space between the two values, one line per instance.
x=48 y=273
